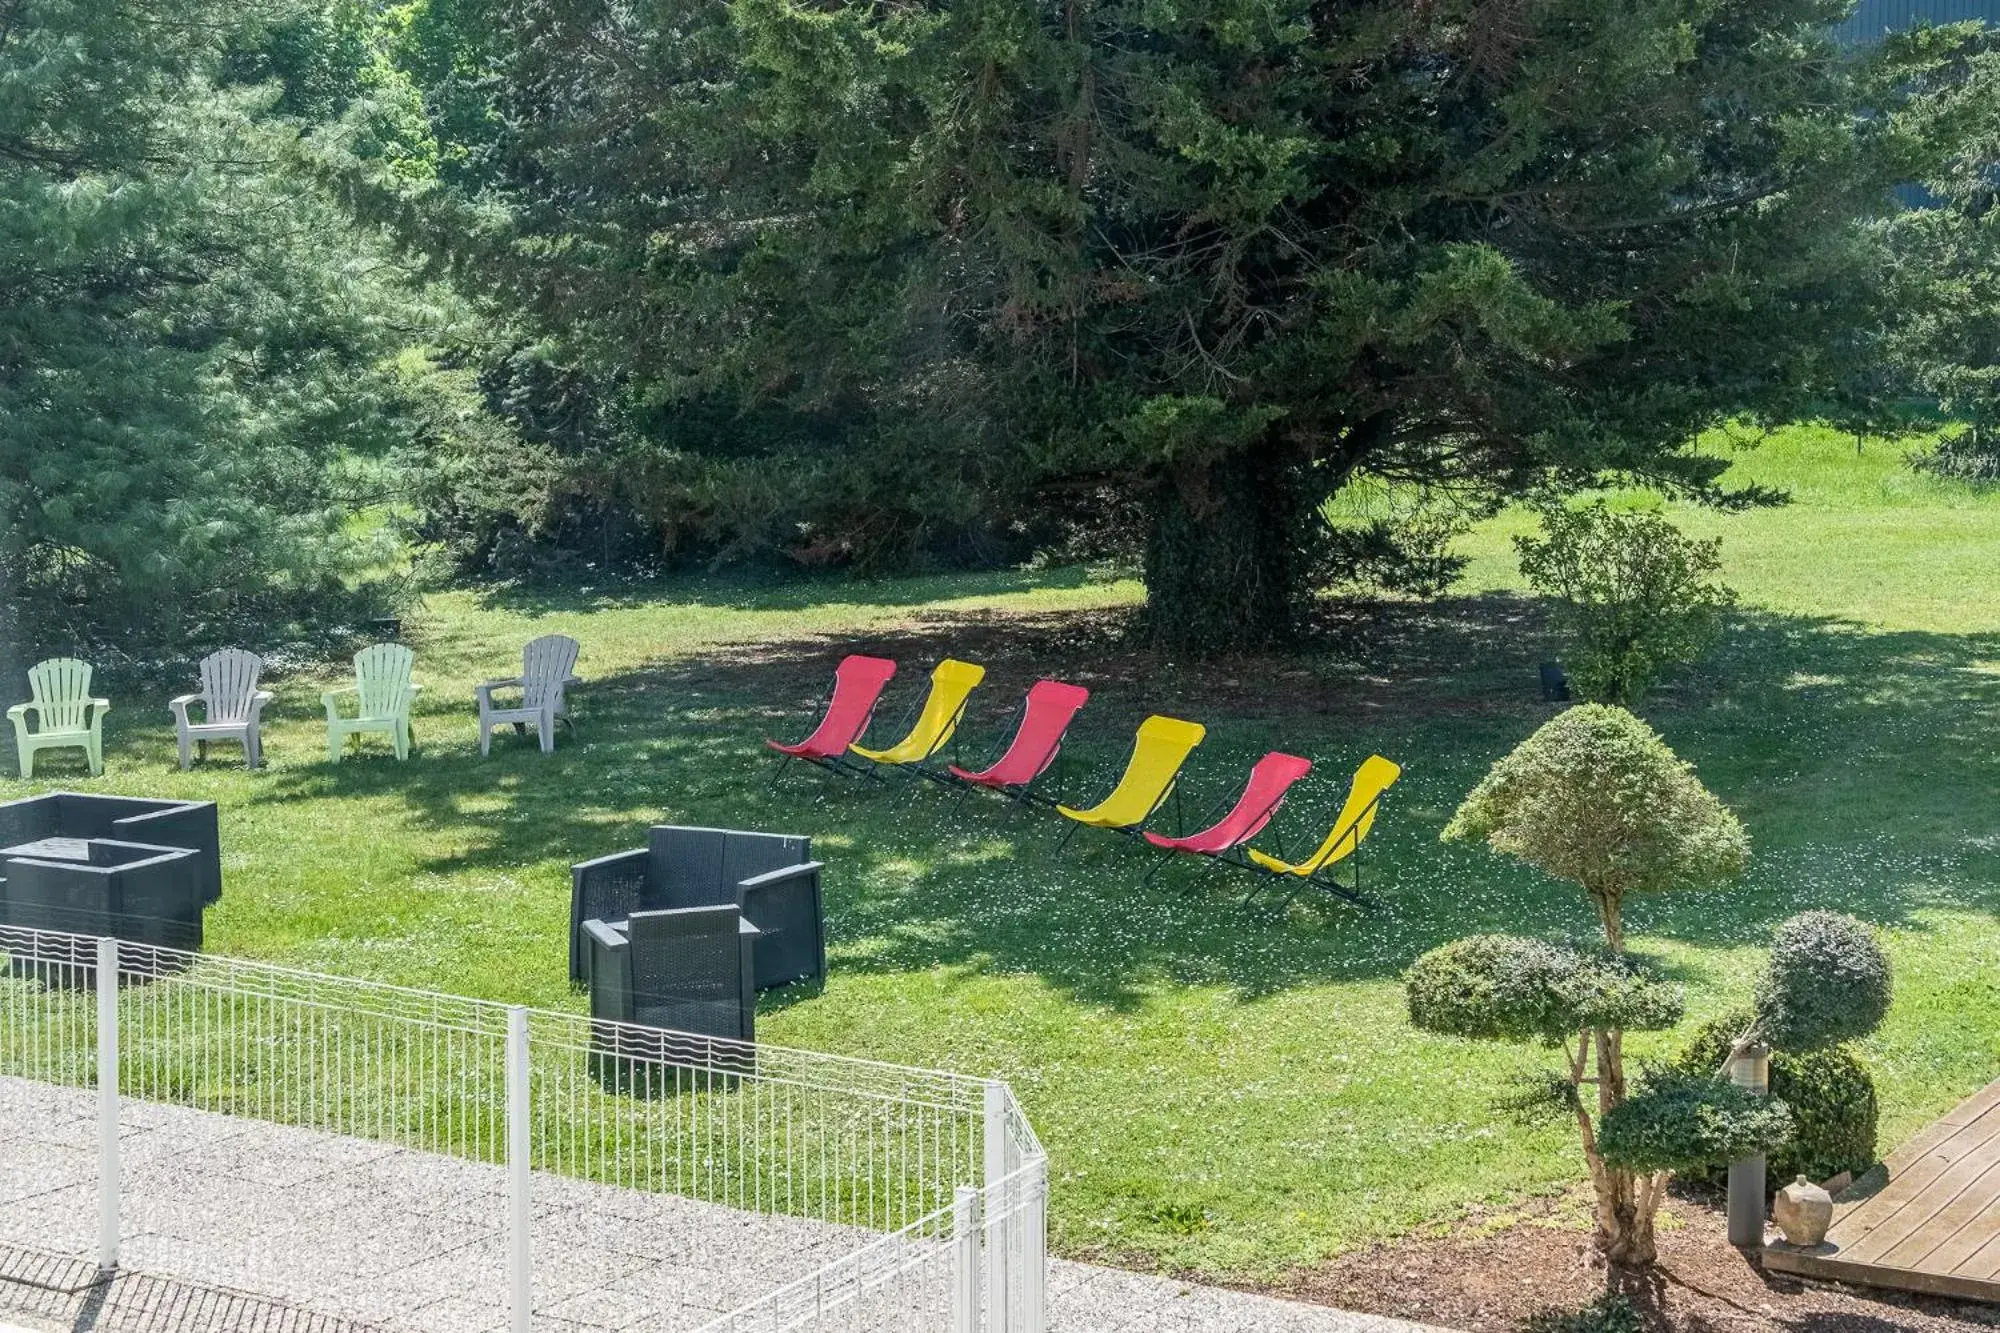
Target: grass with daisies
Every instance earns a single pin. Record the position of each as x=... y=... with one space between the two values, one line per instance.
x=1225 y=1089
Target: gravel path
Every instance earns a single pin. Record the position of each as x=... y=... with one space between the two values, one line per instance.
x=239 y=1226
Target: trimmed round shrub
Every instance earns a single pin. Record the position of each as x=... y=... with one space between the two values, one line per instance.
x=1691 y=1123
x=1596 y=798
x=1827 y=982
x=1495 y=987
x=1834 y=1110
x=1507 y=988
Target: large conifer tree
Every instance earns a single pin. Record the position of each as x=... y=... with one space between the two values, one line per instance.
x=185 y=340
x=1216 y=256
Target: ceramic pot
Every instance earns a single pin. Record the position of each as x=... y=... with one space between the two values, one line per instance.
x=1803 y=1211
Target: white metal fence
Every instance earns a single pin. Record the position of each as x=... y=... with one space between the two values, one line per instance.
x=975 y=1265
x=938 y=1177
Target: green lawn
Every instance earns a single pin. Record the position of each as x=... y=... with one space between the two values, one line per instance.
x=1223 y=1090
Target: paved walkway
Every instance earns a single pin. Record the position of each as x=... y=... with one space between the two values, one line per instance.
x=238 y=1226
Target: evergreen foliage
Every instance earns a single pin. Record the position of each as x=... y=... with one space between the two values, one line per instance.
x=1828 y=981
x=1692 y=1122
x=1506 y=988
x=906 y=273
x=1832 y=1098
x=1595 y=797
x=187 y=409
x=1942 y=352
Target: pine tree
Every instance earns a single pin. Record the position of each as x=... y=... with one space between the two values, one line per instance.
x=186 y=348
x=1216 y=258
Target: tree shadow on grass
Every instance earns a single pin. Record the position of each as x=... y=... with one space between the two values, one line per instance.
x=795 y=591
x=1855 y=758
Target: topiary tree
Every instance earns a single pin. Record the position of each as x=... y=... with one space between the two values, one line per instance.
x=1595 y=797
x=1634 y=595
x=1505 y=988
x=1827 y=983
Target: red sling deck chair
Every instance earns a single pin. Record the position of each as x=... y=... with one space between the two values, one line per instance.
x=857 y=685
x=1045 y=715
x=1270 y=778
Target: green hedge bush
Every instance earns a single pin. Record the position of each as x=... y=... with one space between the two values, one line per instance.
x=1634 y=596
x=1834 y=1109
x=1690 y=1123
x=1506 y=988
x=1827 y=982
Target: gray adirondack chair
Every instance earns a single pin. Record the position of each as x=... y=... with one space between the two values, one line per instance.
x=232 y=706
x=547 y=667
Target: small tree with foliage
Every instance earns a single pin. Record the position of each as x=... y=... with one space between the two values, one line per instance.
x=1595 y=797
x=1634 y=595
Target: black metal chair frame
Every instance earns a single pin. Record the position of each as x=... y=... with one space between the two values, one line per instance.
x=838 y=764
x=916 y=768
x=1325 y=880
x=1135 y=831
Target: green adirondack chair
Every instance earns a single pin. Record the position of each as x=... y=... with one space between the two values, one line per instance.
x=66 y=717
x=383 y=695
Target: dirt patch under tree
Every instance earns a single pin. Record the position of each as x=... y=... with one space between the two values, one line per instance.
x=1497 y=1267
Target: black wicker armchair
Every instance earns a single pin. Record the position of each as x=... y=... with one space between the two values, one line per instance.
x=771 y=879
x=689 y=969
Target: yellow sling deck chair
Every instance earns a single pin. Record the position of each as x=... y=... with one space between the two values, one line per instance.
x=1162 y=746
x=952 y=682
x=1375 y=776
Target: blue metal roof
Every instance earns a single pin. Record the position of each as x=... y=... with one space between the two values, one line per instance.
x=1872 y=18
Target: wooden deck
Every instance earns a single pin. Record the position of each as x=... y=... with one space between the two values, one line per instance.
x=1928 y=1219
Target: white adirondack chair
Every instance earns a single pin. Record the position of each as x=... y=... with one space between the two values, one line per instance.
x=66 y=717
x=547 y=665
x=232 y=706
x=383 y=695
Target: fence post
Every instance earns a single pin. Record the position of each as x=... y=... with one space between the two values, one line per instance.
x=997 y=1211
x=965 y=1261
x=108 y=1184
x=1035 y=1230
x=520 y=1212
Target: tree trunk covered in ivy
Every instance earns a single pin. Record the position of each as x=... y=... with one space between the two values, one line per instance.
x=1224 y=561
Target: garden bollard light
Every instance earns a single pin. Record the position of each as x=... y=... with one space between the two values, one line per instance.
x=1751 y=1068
